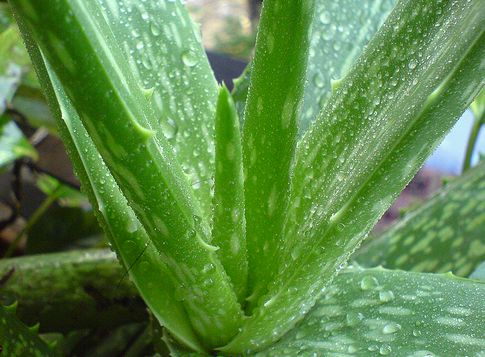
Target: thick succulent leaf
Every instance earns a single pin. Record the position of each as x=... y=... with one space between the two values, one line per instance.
x=96 y=77
x=229 y=229
x=370 y=140
x=382 y=312
x=270 y=128
x=17 y=340
x=340 y=31
x=13 y=144
x=165 y=54
x=70 y=291
x=129 y=239
x=445 y=234
x=150 y=275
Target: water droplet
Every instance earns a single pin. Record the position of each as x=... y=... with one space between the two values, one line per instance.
x=369 y=282
x=385 y=350
x=386 y=296
x=318 y=80
x=412 y=64
x=189 y=58
x=154 y=30
x=354 y=318
x=169 y=128
x=390 y=328
x=325 y=18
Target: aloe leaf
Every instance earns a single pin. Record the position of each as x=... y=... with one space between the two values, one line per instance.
x=445 y=234
x=152 y=278
x=150 y=275
x=375 y=132
x=396 y=313
x=270 y=127
x=92 y=70
x=164 y=50
x=340 y=31
x=16 y=339
x=229 y=229
x=70 y=291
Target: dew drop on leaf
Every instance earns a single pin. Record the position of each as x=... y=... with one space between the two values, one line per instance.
x=386 y=295
x=369 y=283
x=189 y=58
x=390 y=328
x=169 y=128
x=385 y=350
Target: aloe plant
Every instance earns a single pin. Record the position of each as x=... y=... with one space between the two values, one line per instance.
x=333 y=118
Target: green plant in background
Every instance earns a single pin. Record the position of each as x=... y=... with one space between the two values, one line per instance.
x=235 y=215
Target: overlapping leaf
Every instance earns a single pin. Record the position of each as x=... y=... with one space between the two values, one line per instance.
x=165 y=54
x=96 y=78
x=368 y=142
x=444 y=234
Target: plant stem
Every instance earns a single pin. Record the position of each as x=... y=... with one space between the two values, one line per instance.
x=472 y=141
x=39 y=212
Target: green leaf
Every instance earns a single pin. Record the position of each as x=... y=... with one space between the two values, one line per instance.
x=13 y=144
x=229 y=229
x=164 y=50
x=97 y=78
x=67 y=196
x=372 y=137
x=270 y=128
x=16 y=339
x=70 y=291
x=340 y=31
x=381 y=312
x=150 y=275
x=445 y=234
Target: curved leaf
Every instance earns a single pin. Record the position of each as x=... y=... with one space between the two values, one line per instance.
x=165 y=54
x=375 y=132
x=96 y=77
x=152 y=278
x=444 y=234
x=382 y=312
